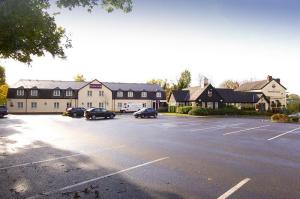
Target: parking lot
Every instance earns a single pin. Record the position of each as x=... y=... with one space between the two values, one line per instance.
x=51 y=156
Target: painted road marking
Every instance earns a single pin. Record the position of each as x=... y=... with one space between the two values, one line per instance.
x=284 y=134
x=54 y=159
x=217 y=127
x=234 y=189
x=97 y=178
x=243 y=130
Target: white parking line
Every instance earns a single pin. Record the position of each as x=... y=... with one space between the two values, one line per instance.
x=283 y=134
x=234 y=189
x=54 y=159
x=216 y=127
x=243 y=130
x=97 y=178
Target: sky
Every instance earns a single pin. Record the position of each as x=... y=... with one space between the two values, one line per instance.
x=220 y=39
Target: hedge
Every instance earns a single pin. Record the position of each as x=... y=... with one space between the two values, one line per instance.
x=183 y=109
x=284 y=118
x=172 y=109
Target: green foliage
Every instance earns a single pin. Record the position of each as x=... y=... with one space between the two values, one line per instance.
x=164 y=84
x=198 y=111
x=183 y=109
x=184 y=80
x=293 y=107
x=172 y=109
x=27 y=29
x=2 y=75
x=79 y=78
x=163 y=109
x=230 y=84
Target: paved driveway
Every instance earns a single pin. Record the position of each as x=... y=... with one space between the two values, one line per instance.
x=50 y=156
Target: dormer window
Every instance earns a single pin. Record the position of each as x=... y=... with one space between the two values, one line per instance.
x=144 y=94
x=69 y=93
x=20 y=92
x=130 y=94
x=120 y=94
x=158 y=94
x=56 y=93
x=34 y=92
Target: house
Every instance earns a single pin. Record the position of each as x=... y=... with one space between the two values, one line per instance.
x=262 y=95
x=52 y=96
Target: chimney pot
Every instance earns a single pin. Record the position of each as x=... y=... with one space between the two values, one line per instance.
x=269 y=78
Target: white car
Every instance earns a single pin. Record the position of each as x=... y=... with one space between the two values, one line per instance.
x=295 y=115
x=131 y=108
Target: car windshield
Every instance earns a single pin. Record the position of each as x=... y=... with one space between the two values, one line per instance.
x=90 y=109
x=143 y=109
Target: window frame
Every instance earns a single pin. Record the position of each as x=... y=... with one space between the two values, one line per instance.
x=120 y=94
x=20 y=92
x=56 y=93
x=33 y=107
x=144 y=94
x=158 y=94
x=68 y=93
x=131 y=94
x=34 y=92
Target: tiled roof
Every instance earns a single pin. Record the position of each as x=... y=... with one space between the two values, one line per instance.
x=51 y=84
x=232 y=96
x=48 y=84
x=195 y=92
x=256 y=85
x=132 y=86
x=181 y=95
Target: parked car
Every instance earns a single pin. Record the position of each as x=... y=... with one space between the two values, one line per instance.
x=3 y=111
x=94 y=113
x=295 y=115
x=145 y=112
x=76 y=112
x=131 y=107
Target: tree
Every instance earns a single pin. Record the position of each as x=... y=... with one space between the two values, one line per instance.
x=27 y=28
x=164 y=84
x=230 y=84
x=184 y=80
x=3 y=86
x=2 y=75
x=79 y=78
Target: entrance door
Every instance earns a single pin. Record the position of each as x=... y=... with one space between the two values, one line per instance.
x=262 y=107
x=154 y=105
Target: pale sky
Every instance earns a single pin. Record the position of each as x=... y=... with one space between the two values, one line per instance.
x=158 y=39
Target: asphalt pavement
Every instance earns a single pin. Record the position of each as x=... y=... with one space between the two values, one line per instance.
x=51 y=156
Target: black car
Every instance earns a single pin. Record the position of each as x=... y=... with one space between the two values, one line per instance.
x=145 y=112
x=76 y=112
x=94 y=113
x=3 y=111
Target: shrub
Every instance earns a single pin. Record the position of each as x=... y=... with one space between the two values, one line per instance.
x=172 y=109
x=293 y=107
x=64 y=114
x=294 y=119
x=198 y=111
x=184 y=109
x=162 y=109
x=280 y=118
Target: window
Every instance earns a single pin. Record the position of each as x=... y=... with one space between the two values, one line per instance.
x=101 y=93
x=158 y=94
x=20 y=92
x=144 y=94
x=69 y=104
x=119 y=105
x=20 y=104
x=90 y=93
x=34 y=92
x=69 y=93
x=119 y=94
x=89 y=104
x=56 y=105
x=33 y=105
x=101 y=105
x=56 y=93
x=130 y=94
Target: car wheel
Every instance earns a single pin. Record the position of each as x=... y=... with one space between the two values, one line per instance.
x=74 y=115
x=155 y=115
x=111 y=116
x=142 y=116
x=94 y=117
x=136 y=116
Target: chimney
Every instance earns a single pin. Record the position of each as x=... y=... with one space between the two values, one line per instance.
x=269 y=78
x=205 y=82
